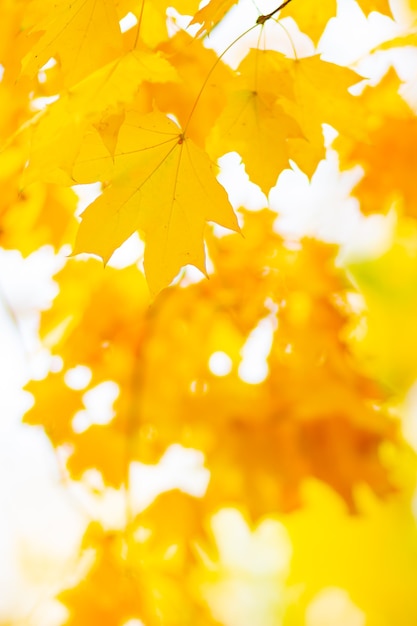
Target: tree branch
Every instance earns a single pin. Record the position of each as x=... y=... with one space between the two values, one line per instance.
x=264 y=18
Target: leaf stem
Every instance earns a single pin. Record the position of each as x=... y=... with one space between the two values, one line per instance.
x=289 y=37
x=212 y=70
x=142 y=8
x=261 y=20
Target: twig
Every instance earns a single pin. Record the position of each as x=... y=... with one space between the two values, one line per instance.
x=264 y=18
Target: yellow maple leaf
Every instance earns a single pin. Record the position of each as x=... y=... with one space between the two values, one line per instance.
x=253 y=123
x=35 y=216
x=58 y=135
x=53 y=392
x=390 y=149
x=211 y=14
x=382 y=6
x=82 y=34
x=38 y=215
x=101 y=448
x=108 y=355
x=110 y=593
x=154 y=16
x=186 y=528
x=320 y=96
x=163 y=185
x=312 y=17
x=193 y=62
x=276 y=110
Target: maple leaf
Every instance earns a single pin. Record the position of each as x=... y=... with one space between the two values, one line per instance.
x=392 y=132
x=320 y=95
x=104 y=449
x=312 y=19
x=98 y=100
x=163 y=185
x=107 y=354
x=39 y=215
x=13 y=16
x=276 y=110
x=35 y=216
x=193 y=61
x=253 y=123
x=109 y=593
x=154 y=15
x=186 y=530
x=382 y=6
x=211 y=14
x=57 y=425
x=83 y=34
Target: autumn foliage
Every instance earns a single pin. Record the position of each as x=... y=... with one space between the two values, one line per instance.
x=310 y=475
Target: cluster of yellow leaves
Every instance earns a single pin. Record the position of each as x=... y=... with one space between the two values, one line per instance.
x=332 y=432
x=311 y=442
x=42 y=213
x=110 y=124
x=313 y=416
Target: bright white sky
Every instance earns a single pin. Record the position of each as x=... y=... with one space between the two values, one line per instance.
x=41 y=520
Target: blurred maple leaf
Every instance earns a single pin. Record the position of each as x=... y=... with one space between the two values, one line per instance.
x=390 y=149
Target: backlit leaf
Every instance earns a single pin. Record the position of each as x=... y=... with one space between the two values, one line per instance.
x=163 y=185
x=81 y=34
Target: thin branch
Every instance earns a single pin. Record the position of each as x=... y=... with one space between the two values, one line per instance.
x=264 y=18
